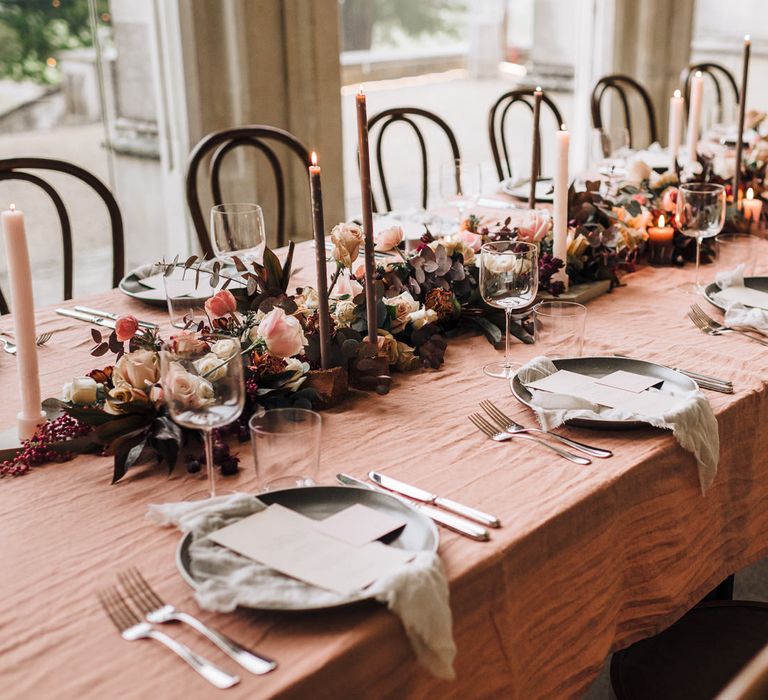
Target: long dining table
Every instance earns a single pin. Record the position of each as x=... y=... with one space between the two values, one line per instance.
x=589 y=559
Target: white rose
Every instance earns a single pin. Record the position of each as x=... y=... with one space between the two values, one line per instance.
x=422 y=317
x=81 y=391
x=724 y=166
x=299 y=370
x=639 y=170
x=225 y=348
x=211 y=367
x=345 y=313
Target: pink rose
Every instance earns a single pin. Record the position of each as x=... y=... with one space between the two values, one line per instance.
x=136 y=369
x=126 y=327
x=188 y=344
x=533 y=227
x=185 y=389
x=221 y=304
x=669 y=199
x=388 y=238
x=282 y=334
x=345 y=286
x=469 y=239
x=640 y=198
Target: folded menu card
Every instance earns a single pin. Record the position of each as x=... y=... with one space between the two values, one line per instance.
x=744 y=295
x=293 y=544
x=624 y=390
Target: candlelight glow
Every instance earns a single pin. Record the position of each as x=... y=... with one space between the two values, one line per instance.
x=13 y=207
x=750 y=194
x=661 y=221
x=698 y=74
x=676 y=93
x=361 y=90
x=538 y=88
x=562 y=127
x=747 y=39
x=314 y=158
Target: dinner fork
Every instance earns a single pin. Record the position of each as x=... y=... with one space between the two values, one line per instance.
x=509 y=426
x=10 y=347
x=155 y=610
x=131 y=628
x=502 y=436
x=711 y=327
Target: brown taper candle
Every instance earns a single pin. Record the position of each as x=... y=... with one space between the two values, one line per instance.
x=323 y=312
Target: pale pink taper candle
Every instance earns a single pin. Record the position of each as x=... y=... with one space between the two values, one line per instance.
x=23 y=312
x=560 y=209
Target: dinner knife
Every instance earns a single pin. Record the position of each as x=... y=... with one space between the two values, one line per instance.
x=432 y=499
x=88 y=318
x=107 y=314
x=463 y=527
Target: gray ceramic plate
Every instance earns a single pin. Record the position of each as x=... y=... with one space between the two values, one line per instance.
x=131 y=285
x=758 y=283
x=521 y=190
x=673 y=382
x=319 y=502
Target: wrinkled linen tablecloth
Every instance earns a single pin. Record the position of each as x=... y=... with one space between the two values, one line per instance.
x=588 y=559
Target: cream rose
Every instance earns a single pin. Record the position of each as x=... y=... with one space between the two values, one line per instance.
x=404 y=305
x=282 y=334
x=122 y=395
x=388 y=238
x=638 y=171
x=136 y=369
x=187 y=389
x=211 y=367
x=225 y=348
x=346 y=239
x=81 y=391
x=344 y=313
x=422 y=317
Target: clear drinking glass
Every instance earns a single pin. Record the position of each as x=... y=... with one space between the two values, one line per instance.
x=461 y=184
x=737 y=248
x=609 y=148
x=509 y=280
x=186 y=302
x=203 y=391
x=237 y=230
x=559 y=327
x=700 y=215
x=286 y=447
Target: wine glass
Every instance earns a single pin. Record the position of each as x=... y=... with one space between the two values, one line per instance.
x=461 y=184
x=237 y=230
x=700 y=215
x=203 y=388
x=509 y=280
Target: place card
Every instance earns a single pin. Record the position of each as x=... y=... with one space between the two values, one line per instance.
x=359 y=524
x=563 y=382
x=289 y=543
x=629 y=381
x=744 y=295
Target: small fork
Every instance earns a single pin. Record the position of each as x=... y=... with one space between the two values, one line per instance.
x=509 y=426
x=709 y=326
x=10 y=347
x=155 y=610
x=132 y=628
x=502 y=436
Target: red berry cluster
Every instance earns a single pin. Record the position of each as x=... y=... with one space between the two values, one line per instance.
x=37 y=450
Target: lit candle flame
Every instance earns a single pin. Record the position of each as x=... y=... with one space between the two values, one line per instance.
x=562 y=127
x=750 y=193
x=13 y=207
x=697 y=74
x=538 y=88
x=314 y=158
x=661 y=221
x=677 y=93
x=361 y=89
x=747 y=38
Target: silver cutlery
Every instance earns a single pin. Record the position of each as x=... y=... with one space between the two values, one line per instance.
x=502 y=436
x=110 y=315
x=704 y=382
x=452 y=522
x=10 y=347
x=131 y=628
x=87 y=317
x=156 y=611
x=432 y=499
x=709 y=326
x=510 y=426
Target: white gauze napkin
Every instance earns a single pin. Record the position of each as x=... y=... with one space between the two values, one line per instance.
x=692 y=422
x=417 y=593
x=736 y=313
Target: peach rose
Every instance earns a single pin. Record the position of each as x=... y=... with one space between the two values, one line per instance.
x=282 y=334
x=533 y=227
x=346 y=239
x=346 y=287
x=136 y=369
x=669 y=199
x=469 y=239
x=221 y=304
x=126 y=327
x=188 y=344
x=388 y=238
x=185 y=388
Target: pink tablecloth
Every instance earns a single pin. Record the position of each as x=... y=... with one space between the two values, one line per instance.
x=589 y=559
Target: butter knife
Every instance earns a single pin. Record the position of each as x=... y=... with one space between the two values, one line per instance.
x=107 y=314
x=88 y=318
x=432 y=499
x=463 y=527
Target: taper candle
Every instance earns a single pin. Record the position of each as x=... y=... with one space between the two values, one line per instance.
x=536 y=148
x=742 y=113
x=694 y=116
x=23 y=311
x=324 y=325
x=367 y=204
x=560 y=211
x=675 y=127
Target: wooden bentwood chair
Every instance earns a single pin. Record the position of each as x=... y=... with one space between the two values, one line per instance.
x=15 y=169
x=406 y=115
x=220 y=143
x=623 y=85
x=720 y=77
x=497 y=117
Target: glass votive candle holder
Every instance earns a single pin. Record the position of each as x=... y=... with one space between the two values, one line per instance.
x=558 y=326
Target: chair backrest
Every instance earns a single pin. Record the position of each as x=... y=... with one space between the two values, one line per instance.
x=497 y=118
x=15 y=169
x=752 y=681
x=622 y=85
x=406 y=115
x=720 y=76
x=220 y=143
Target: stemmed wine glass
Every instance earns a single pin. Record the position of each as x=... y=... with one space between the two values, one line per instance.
x=461 y=184
x=509 y=280
x=237 y=230
x=700 y=215
x=203 y=387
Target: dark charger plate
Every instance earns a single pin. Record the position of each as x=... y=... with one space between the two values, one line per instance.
x=758 y=283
